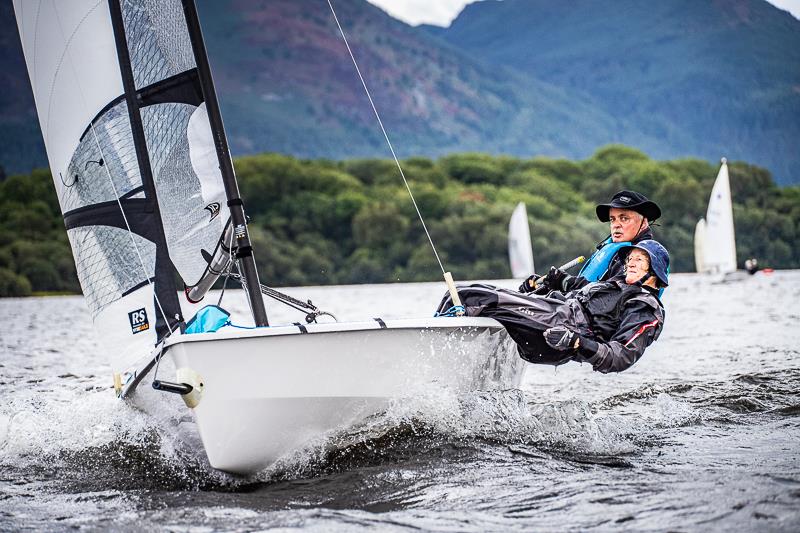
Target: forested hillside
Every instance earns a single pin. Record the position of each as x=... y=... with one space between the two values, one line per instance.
x=337 y=222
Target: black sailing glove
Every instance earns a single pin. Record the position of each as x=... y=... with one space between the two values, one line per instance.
x=561 y=338
x=564 y=339
x=527 y=285
x=554 y=280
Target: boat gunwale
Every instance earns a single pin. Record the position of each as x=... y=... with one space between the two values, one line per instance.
x=431 y=323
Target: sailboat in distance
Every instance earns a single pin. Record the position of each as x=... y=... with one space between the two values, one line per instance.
x=147 y=189
x=700 y=246
x=520 y=251
x=715 y=238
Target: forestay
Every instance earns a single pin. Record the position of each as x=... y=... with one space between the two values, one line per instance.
x=132 y=156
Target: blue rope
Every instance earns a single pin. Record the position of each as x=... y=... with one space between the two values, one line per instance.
x=231 y=324
x=453 y=311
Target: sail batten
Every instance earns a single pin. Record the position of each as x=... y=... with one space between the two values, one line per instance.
x=157 y=39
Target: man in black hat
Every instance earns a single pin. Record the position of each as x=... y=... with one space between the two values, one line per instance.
x=629 y=215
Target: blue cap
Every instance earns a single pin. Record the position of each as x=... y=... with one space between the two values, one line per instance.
x=659 y=259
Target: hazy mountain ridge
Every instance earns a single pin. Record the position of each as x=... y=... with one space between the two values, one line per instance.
x=21 y=145
x=706 y=78
x=518 y=77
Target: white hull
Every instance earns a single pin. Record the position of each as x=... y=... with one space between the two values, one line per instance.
x=729 y=277
x=269 y=391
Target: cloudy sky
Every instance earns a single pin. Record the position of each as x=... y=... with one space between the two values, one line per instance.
x=442 y=12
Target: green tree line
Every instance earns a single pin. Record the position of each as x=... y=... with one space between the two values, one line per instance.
x=337 y=222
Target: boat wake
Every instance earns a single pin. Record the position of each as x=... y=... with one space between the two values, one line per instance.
x=92 y=442
x=511 y=420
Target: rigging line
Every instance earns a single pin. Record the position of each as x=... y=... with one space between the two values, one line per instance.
x=281 y=297
x=243 y=282
x=108 y=172
x=385 y=135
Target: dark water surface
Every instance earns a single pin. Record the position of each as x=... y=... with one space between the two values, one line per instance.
x=702 y=434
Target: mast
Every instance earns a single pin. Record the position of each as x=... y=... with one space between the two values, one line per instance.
x=244 y=248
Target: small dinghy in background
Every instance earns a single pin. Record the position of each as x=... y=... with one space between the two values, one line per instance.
x=520 y=250
x=714 y=236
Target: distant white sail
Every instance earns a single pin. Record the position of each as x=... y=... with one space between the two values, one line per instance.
x=520 y=251
x=127 y=136
x=720 y=248
x=700 y=246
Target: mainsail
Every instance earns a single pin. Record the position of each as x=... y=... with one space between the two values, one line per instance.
x=520 y=252
x=124 y=112
x=720 y=241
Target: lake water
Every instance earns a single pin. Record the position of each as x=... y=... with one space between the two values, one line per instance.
x=702 y=434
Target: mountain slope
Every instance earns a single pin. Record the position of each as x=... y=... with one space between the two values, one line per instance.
x=21 y=145
x=287 y=84
x=678 y=78
x=697 y=77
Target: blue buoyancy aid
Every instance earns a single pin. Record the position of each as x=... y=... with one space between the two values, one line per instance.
x=598 y=263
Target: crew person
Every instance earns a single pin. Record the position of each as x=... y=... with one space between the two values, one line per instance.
x=629 y=215
x=607 y=324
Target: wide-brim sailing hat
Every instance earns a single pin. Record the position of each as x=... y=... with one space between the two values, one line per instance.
x=629 y=200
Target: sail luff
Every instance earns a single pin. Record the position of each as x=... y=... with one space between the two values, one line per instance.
x=165 y=293
x=244 y=247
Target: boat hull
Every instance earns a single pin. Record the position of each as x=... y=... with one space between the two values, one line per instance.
x=270 y=391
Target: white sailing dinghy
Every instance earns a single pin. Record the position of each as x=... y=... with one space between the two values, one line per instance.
x=520 y=250
x=146 y=186
x=715 y=238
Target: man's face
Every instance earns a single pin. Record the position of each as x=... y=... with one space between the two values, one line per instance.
x=636 y=265
x=625 y=224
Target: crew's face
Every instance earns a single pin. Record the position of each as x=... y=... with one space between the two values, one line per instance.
x=625 y=224
x=636 y=265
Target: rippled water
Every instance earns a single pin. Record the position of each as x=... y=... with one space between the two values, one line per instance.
x=702 y=434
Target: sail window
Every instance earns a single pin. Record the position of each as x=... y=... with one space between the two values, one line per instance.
x=158 y=40
x=108 y=265
x=103 y=165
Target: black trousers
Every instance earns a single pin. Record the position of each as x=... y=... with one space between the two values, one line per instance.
x=525 y=317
